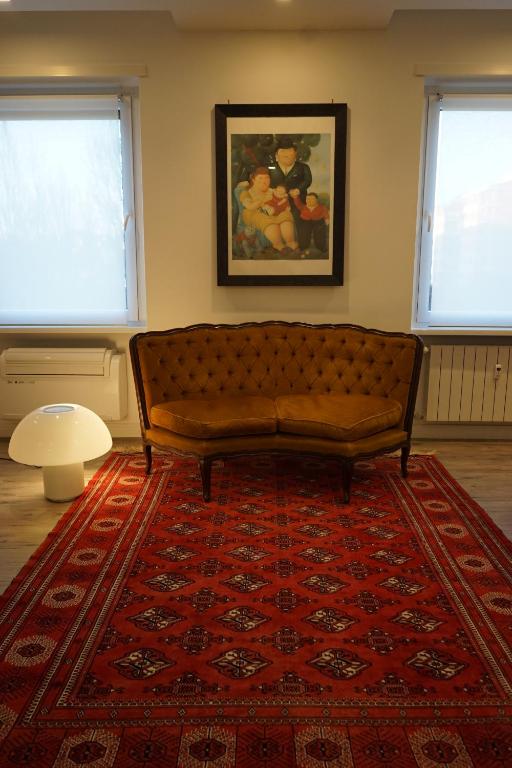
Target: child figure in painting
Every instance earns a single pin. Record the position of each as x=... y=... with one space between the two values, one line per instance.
x=314 y=218
x=278 y=202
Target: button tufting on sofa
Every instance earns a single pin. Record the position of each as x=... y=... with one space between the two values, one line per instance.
x=219 y=418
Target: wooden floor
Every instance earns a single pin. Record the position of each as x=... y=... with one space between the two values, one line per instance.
x=484 y=469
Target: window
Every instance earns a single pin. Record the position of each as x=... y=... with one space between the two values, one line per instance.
x=68 y=235
x=465 y=260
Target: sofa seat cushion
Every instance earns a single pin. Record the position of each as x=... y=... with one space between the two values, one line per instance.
x=336 y=416
x=217 y=416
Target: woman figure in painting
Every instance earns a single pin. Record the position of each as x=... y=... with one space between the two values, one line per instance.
x=258 y=212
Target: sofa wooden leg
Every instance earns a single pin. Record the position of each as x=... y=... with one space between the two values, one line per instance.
x=149 y=458
x=404 y=458
x=346 y=475
x=205 y=467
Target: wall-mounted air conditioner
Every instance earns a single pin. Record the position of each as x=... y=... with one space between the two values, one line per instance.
x=33 y=376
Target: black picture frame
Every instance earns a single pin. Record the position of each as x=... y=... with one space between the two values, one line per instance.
x=311 y=139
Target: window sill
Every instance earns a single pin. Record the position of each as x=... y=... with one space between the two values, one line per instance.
x=458 y=331
x=133 y=328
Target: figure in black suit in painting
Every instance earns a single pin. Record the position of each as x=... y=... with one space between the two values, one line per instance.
x=290 y=172
x=293 y=174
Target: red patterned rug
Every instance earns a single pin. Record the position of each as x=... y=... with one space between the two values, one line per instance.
x=275 y=627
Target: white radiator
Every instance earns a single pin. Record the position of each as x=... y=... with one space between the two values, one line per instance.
x=94 y=377
x=470 y=384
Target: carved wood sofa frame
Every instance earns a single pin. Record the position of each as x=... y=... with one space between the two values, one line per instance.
x=271 y=359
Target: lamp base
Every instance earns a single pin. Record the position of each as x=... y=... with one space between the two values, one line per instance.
x=63 y=483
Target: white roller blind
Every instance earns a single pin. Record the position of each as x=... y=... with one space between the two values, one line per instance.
x=466 y=243
x=87 y=107
x=65 y=203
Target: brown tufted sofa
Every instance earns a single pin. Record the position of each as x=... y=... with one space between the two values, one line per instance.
x=333 y=390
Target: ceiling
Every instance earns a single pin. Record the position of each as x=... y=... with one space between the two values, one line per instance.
x=264 y=14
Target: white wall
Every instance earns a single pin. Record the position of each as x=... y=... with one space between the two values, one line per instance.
x=188 y=73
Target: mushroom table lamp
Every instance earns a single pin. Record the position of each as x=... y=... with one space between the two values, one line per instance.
x=59 y=438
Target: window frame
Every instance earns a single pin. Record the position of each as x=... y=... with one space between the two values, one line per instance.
x=127 y=94
x=458 y=94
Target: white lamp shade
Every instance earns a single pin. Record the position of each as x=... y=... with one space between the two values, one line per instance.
x=59 y=434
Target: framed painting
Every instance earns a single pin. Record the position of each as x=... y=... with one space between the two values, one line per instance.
x=280 y=185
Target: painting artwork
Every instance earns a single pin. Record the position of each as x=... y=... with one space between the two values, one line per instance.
x=280 y=186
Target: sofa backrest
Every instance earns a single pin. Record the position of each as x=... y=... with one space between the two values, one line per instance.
x=273 y=358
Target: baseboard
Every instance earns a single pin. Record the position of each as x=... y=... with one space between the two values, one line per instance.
x=422 y=430
x=124 y=429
